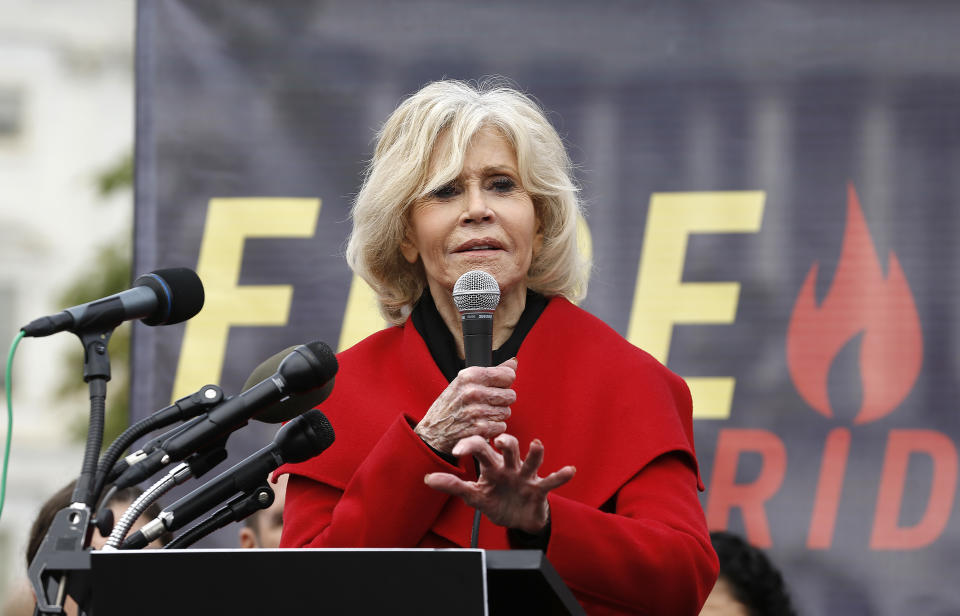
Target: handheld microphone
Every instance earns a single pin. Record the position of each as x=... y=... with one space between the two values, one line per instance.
x=306 y=369
x=476 y=295
x=163 y=297
x=296 y=441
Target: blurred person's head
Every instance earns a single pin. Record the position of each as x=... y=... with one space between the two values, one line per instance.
x=263 y=528
x=749 y=584
x=41 y=524
x=117 y=503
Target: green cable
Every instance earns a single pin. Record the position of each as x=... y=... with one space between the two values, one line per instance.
x=6 y=449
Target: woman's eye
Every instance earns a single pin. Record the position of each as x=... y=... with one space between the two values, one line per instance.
x=446 y=191
x=503 y=184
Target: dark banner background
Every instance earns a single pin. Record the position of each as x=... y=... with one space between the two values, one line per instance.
x=830 y=109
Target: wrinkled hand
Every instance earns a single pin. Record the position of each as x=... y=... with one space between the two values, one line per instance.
x=477 y=402
x=508 y=490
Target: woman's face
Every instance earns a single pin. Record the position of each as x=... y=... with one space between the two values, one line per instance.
x=482 y=220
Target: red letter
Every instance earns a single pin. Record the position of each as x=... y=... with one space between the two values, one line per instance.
x=900 y=444
x=829 y=488
x=749 y=497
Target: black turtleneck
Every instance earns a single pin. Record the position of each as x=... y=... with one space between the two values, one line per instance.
x=431 y=327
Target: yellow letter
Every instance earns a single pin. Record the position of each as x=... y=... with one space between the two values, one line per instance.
x=362 y=316
x=229 y=223
x=662 y=299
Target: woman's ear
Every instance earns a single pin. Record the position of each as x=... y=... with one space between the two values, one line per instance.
x=538 y=236
x=409 y=251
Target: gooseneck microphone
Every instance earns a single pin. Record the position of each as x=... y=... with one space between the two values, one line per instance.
x=185 y=408
x=163 y=297
x=287 y=408
x=476 y=295
x=298 y=440
x=307 y=368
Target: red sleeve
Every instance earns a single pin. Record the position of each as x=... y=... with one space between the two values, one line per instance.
x=652 y=556
x=385 y=504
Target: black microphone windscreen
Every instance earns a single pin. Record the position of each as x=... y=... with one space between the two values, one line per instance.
x=180 y=292
x=318 y=435
x=266 y=368
x=290 y=407
x=321 y=362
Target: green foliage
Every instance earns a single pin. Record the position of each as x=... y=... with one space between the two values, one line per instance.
x=112 y=264
x=117 y=177
x=112 y=267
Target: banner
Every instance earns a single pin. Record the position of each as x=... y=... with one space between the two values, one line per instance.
x=772 y=212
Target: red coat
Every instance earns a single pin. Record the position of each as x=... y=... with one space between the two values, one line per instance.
x=594 y=400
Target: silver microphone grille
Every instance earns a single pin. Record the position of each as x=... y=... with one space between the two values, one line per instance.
x=476 y=290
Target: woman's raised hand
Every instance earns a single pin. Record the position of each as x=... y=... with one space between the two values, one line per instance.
x=508 y=490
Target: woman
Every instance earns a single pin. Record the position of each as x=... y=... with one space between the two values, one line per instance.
x=468 y=178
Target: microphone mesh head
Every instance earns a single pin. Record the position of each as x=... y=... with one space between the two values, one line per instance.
x=476 y=290
x=180 y=291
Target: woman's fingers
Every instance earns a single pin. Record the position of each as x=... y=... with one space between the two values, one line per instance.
x=495 y=376
x=558 y=478
x=479 y=448
x=477 y=402
x=533 y=461
x=476 y=413
x=510 y=363
x=448 y=484
x=475 y=393
x=510 y=450
x=507 y=460
x=494 y=429
x=508 y=490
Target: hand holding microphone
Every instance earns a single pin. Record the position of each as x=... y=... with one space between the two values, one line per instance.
x=478 y=401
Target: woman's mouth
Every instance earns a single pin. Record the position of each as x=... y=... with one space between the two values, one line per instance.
x=478 y=245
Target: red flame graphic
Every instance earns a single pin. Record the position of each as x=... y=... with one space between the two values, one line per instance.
x=859 y=300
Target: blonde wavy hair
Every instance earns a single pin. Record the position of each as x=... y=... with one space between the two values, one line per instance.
x=398 y=175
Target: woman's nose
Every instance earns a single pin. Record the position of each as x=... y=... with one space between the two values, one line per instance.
x=477 y=209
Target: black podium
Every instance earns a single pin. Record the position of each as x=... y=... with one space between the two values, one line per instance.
x=334 y=581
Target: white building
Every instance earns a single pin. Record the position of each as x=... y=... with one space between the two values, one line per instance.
x=66 y=114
